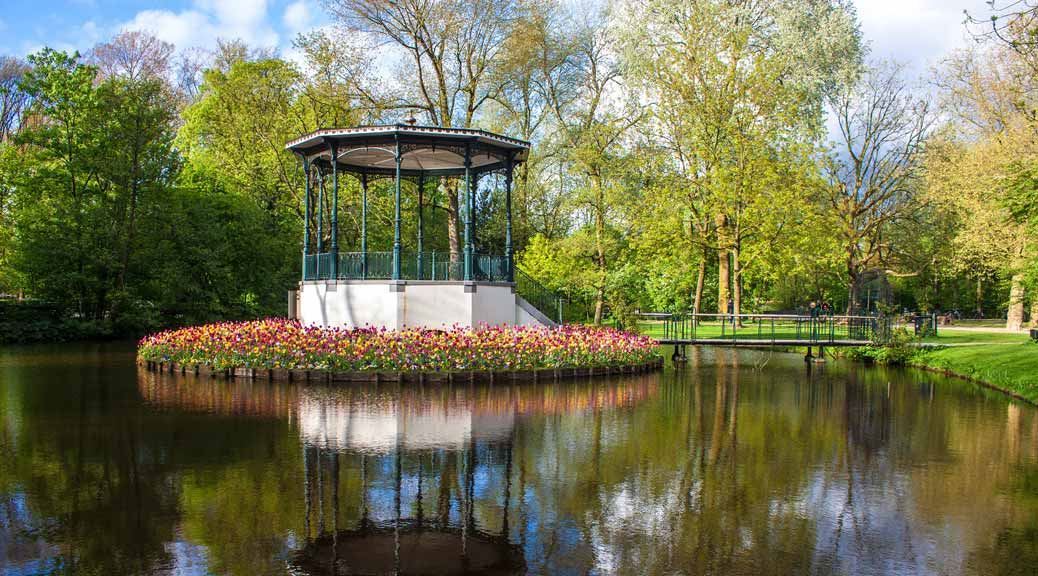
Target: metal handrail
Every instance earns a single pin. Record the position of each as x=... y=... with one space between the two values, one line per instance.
x=540 y=297
x=770 y=327
x=438 y=266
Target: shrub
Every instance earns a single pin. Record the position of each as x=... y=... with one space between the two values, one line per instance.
x=896 y=349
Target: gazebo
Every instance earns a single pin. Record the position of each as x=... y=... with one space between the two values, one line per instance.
x=398 y=288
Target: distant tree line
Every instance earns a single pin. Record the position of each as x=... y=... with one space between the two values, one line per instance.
x=691 y=154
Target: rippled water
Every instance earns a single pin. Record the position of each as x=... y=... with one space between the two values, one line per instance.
x=743 y=463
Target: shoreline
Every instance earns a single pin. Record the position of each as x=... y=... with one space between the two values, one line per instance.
x=973 y=379
x=416 y=376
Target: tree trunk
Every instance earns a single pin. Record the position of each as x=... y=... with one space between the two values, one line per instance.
x=450 y=189
x=723 y=269
x=979 y=306
x=723 y=277
x=1015 y=315
x=852 y=283
x=697 y=303
x=600 y=258
x=737 y=284
x=1034 y=311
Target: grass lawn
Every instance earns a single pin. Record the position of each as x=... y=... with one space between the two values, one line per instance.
x=958 y=336
x=1005 y=360
x=982 y=323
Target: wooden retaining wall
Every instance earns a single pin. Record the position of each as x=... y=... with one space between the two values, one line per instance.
x=325 y=376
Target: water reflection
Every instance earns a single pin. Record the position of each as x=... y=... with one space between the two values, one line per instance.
x=403 y=479
x=744 y=463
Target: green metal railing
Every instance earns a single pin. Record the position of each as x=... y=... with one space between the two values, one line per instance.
x=438 y=266
x=765 y=328
x=413 y=266
x=543 y=299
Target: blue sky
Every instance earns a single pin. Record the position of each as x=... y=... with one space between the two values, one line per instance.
x=917 y=32
x=26 y=26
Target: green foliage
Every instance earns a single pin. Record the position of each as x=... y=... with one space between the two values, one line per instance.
x=30 y=321
x=897 y=349
x=657 y=167
x=109 y=226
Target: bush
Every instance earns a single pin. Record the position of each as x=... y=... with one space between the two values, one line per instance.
x=897 y=349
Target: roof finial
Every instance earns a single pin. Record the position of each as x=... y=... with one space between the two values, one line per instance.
x=411 y=120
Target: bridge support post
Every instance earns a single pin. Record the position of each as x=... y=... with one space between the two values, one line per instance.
x=817 y=359
x=679 y=357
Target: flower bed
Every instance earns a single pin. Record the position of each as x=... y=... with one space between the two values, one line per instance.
x=277 y=344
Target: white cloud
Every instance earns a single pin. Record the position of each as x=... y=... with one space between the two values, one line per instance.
x=181 y=29
x=208 y=21
x=297 y=17
x=90 y=32
x=917 y=32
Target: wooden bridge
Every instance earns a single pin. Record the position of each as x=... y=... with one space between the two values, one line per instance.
x=681 y=330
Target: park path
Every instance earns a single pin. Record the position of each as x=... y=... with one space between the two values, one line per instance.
x=951 y=344
x=1002 y=330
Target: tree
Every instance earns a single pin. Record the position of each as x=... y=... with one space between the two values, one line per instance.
x=99 y=155
x=133 y=56
x=240 y=123
x=981 y=159
x=874 y=174
x=65 y=143
x=736 y=91
x=591 y=130
x=537 y=68
x=13 y=103
x=450 y=51
x=13 y=99
x=1011 y=23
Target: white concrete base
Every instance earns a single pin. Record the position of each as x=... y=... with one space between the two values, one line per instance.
x=355 y=304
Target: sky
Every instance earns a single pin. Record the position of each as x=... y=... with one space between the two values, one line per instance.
x=916 y=32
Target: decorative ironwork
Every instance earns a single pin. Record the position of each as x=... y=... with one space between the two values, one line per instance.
x=477 y=152
x=432 y=266
x=540 y=297
x=764 y=329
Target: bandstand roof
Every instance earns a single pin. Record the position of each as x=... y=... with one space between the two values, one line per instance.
x=430 y=150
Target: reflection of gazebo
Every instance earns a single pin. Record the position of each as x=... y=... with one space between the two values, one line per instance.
x=404 y=479
x=414 y=446
x=397 y=287
x=384 y=427
x=409 y=549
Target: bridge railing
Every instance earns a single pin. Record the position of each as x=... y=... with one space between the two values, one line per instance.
x=764 y=327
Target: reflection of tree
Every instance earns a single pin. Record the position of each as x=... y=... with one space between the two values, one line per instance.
x=94 y=494
x=720 y=468
x=686 y=482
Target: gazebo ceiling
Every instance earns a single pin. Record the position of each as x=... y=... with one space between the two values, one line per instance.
x=424 y=149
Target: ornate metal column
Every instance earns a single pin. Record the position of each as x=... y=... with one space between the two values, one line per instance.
x=320 y=221
x=306 y=212
x=396 y=218
x=335 y=209
x=473 y=188
x=468 y=213
x=421 y=223
x=510 y=273
x=364 y=226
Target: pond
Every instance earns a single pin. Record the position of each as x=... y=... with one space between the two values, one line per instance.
x=745 y=462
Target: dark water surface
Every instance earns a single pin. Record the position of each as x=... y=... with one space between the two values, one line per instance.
x=743 y=463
